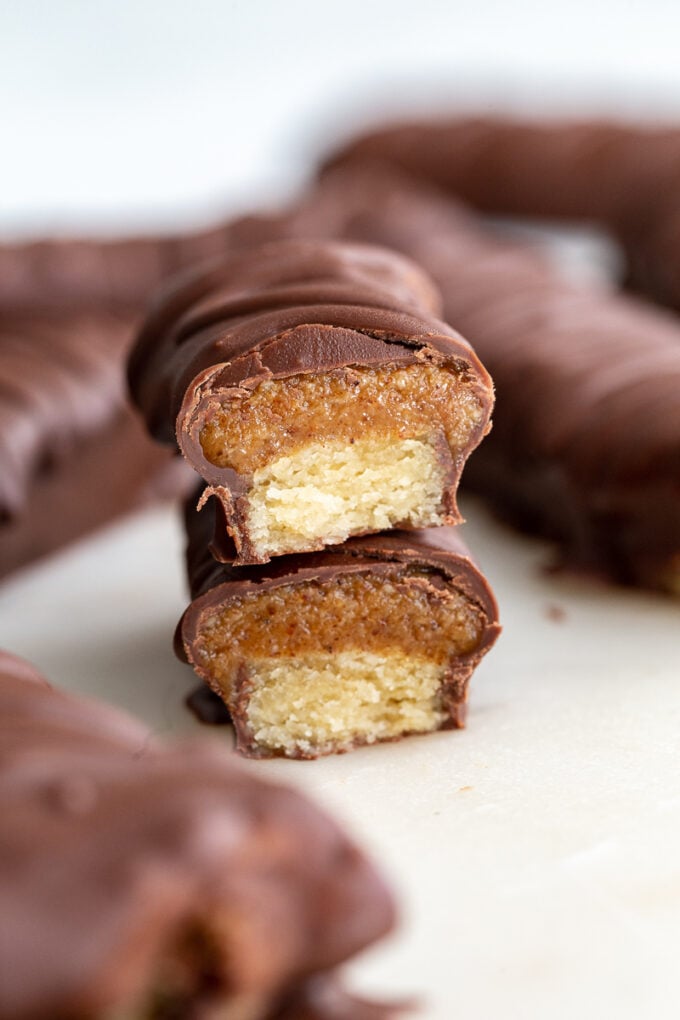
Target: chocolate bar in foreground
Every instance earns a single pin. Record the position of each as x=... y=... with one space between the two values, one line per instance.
x=310 y=385
x=585 y=447
x=319 y=653
x=149 y=881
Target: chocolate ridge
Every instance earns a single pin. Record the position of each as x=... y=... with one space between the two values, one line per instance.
x=175 y=344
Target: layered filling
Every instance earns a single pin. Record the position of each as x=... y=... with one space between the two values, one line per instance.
x=349 y=451
x=320 y=666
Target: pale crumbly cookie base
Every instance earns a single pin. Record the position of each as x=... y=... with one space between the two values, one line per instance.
x=326 y=492
x=320 y=703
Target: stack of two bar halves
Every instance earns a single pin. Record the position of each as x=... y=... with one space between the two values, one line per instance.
x=328 y=413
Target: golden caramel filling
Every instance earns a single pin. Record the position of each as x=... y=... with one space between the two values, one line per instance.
x=356 y=611
x=283 y=415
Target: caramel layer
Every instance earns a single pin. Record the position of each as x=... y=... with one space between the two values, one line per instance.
x=403 y=611
x=283 y=415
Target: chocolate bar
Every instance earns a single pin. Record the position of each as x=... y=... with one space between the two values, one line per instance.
x=73 y=454
x=319 y=653
x=603 y=171
x=63 y=276
x=625 y=177
x=586 y=434
x=160 y=881
x=312 y=388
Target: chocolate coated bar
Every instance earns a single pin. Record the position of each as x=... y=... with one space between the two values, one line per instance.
x=311 y=387
x=624 y=176
x=73 y=455
x=70 y=275
x=586 y=441
x=314 y=654
x=155 y=881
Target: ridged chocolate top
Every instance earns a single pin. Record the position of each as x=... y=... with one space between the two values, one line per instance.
x=586 y=440
x=285 y=308
x=68 y=313
x=113 y=846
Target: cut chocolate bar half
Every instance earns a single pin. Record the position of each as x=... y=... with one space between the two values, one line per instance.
x=312 y=389
x=370 y=641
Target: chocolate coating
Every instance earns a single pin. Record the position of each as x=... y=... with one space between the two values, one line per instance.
x=114 y=847
x=624 y=176
x=207 y=319
x=440 y=552
x=586 y=441
x=598 y=170
x=73 y=455
x=60 y=276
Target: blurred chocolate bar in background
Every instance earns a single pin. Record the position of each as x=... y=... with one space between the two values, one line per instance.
x=73 y=454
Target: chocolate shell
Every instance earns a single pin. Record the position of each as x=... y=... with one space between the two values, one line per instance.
x=73 y=454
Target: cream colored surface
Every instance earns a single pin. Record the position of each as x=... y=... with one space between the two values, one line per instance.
x=535 y=854
x=335 y=490
x=323 y=703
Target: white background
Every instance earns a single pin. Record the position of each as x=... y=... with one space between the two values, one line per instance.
x=146 y=110
x=537 y=854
